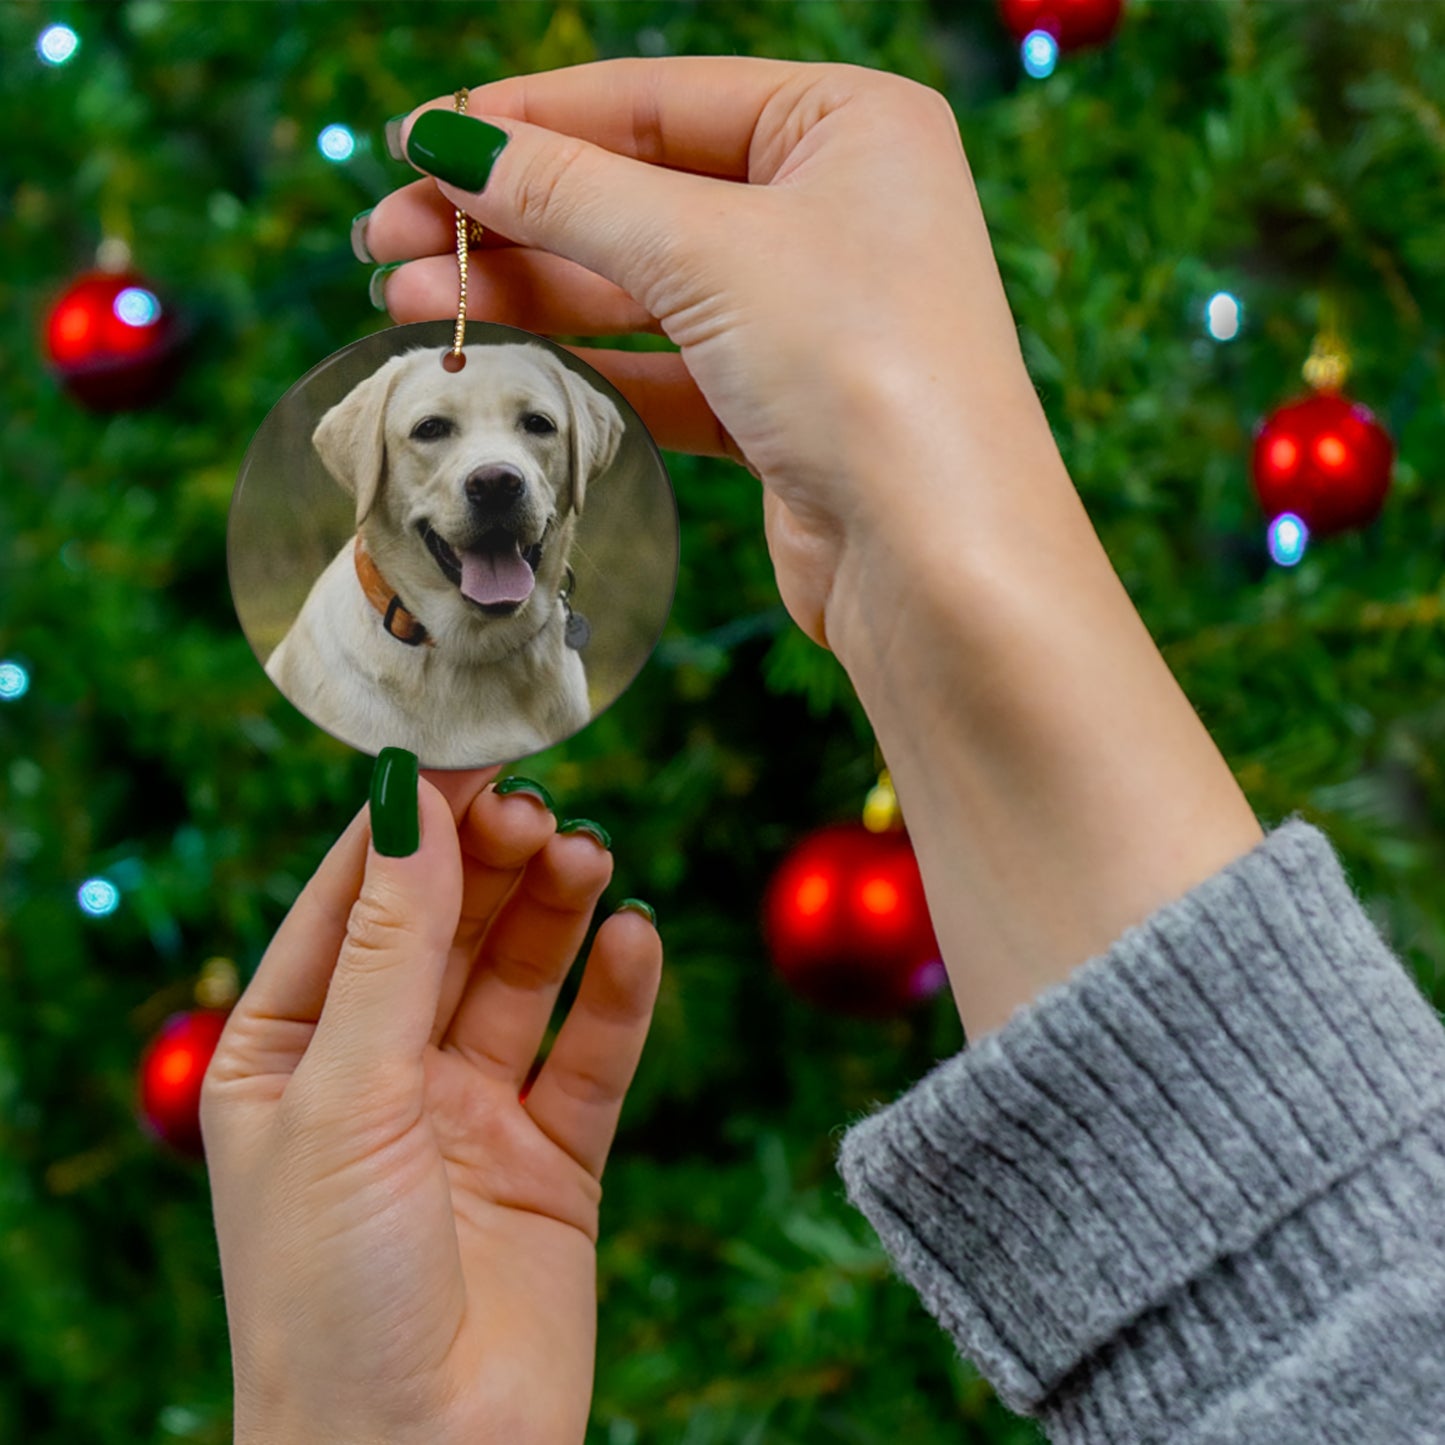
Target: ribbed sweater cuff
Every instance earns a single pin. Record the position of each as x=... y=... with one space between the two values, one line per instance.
x=1169 y=1151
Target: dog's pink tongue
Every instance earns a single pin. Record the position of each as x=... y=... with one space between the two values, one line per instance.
x=497 y=574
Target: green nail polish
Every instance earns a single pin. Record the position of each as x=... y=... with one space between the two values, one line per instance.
x=376 y=289
x=515 y=784
x=636 y=905
x=392 y=132
x=395 y=812
x=455 y=148
x=358 y=237
x=586 y=825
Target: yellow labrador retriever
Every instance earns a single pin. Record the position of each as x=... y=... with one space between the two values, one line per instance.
x=442 y=627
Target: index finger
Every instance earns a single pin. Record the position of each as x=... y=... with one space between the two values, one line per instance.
x=696 y=113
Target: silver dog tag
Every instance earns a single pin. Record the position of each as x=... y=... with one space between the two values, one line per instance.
x=578 y=631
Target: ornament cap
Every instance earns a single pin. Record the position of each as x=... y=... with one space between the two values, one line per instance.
x=113 y=254
x=881 y=813
x=1328 y=366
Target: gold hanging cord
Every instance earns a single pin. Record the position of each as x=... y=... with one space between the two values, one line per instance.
x=469 y=233
x=1328 y=367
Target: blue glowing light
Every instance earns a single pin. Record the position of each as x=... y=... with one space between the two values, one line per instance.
x=14 y=681
x=1040 y=53
x=336 y=143
x=98 y=897
x=137 y=307
x=1288 y=538
x=57 y=44
x=1223 y=316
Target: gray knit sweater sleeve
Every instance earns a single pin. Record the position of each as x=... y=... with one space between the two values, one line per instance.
x=1196 y=1192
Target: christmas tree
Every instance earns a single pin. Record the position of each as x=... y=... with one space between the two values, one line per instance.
x=1178 y=214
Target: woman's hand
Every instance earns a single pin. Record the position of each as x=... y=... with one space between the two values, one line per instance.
x=808 y=235
x=408 y=1246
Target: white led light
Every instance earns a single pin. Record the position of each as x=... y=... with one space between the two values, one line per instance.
x=1223 y=316
x=137 y=307
x=1288 y=537
x=1040 y=53
x=14 y=681
x=57 y=44
x=98 y=897
x=336 y=143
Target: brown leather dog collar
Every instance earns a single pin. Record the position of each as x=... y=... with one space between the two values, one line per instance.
x=402 y=625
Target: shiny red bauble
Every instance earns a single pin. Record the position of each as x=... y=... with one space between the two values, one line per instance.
x=112 y=341
x=172 y=1070
x=1326 y=459
x=847 y=924
x=1073 y=23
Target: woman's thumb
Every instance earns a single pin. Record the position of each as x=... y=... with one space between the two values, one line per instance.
x=621 y=218
x=382 y=999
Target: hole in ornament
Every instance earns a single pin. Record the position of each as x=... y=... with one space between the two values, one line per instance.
x=454 y=360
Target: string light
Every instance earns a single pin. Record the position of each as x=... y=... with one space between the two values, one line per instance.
x=1288 y=538
x=336 y=143
x=14 y=681
x=137 y=307
x=1223 y=316
x=98 y=897
x=57 y=44
x=1040 y=53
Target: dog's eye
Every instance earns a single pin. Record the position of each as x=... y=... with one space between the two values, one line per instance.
x=538 y=424
x=429 y=428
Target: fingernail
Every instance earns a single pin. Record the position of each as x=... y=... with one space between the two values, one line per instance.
x=636 y=905
x=526 y=785
x=376 y=289
x=395 y=812
x=586 y=825
x=393 y=136
x=455 y=148
x=358 y=236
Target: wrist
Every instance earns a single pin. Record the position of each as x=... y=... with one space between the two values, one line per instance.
x=1057 y=784
x=946 y=516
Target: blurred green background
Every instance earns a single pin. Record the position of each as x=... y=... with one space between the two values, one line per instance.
x=1282 y=152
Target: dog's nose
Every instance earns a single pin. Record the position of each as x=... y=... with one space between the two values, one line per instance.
x=494 y=486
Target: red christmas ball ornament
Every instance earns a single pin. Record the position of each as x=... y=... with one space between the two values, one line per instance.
x=171 y=1072
x=1324 y=458
x=1073 y=23
x=847 y=924
x=112 y=341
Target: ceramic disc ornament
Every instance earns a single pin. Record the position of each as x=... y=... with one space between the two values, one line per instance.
x=469 y=562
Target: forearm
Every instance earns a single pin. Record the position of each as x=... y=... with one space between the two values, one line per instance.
x=1057 y=784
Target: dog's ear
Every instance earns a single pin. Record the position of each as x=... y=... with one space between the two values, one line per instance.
x=351 y=437
x=596 y=433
